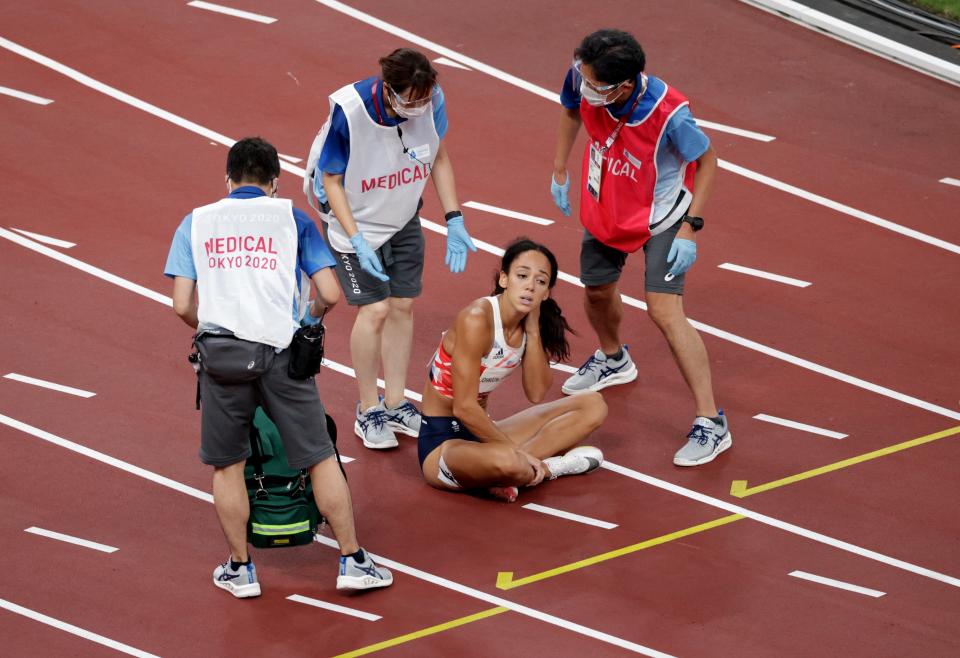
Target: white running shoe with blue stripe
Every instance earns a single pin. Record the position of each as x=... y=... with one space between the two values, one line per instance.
x=600 y=371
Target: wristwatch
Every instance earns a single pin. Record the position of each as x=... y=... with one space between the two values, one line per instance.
x=695 y=222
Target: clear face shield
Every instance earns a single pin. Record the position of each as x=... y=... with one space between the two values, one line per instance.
x=598 y=95
x=408 y=109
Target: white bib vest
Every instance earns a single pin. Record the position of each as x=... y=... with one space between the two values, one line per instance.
x=383 y=184
x=245 y=252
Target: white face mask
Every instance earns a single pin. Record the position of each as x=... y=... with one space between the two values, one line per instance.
x=596 y=98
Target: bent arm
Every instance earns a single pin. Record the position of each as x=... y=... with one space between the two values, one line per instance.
x=328 y=290
x=566 y=135
x=703 y=185
x=184 y=300
x=537 y=376
x=337 y=198
x=443 y=181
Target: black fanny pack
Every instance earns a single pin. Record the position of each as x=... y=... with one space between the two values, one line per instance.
x=306 y=352
x=231 y=360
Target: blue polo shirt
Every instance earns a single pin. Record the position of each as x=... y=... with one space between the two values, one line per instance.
x=313 y=254
x=336 y=148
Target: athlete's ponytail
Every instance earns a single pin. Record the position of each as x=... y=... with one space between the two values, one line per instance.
x=553 y=326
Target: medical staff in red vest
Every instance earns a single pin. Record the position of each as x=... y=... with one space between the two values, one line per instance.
x=369 y=166
x=646 y=174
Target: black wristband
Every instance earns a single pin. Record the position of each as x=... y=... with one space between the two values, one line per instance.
x=450 y=215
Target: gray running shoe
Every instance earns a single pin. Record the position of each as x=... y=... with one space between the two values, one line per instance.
x=705 y=441
x=600 y=372
x=584 y=459
x=372 y=426
x=242 y=583
x=362 y=575
x=404 y=418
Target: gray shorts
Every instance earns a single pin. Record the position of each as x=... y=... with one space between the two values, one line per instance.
x=293 y=404
x=600 y=264
x=402 y=259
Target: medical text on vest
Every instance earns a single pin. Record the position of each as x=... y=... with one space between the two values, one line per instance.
x=404 y=176
x=241 y=251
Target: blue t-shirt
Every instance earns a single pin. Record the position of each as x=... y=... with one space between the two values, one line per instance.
x=313 y=254
x=336 y=148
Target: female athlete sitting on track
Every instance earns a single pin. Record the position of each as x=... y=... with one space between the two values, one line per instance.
x=519 y=327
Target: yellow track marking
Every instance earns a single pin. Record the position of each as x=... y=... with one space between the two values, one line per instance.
x=739 y=489
x=505 y=578
x=386 y=644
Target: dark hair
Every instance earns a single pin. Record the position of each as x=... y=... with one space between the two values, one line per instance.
x=553 y=326
x=253 y=159
x=406 y=68
x=613 y=55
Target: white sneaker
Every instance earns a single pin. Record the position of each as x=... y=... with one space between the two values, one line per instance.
x=362 y=575
x=373 y=427
x=581 y=460
x=242 y=583
x=600 y=371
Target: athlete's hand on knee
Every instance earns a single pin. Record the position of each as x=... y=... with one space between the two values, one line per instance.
x=458 y=242
x=561 y=193
x=682 y=254
x=369 y=262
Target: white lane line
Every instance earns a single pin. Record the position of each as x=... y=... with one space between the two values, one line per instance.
x=764 y=275
x=106 y=459
x=416 y=573
x=24 y=96
x=72 y=540
x=229 y=11
x=728 y=166
x=45 y=239
x=782 y=525
x=449 y=62
x=296 y=598
x=875 y=593
x=476 y=205
x=290 y=158
x=347 y=460
x=800 y=426
x=79 y=392
x=217 y=137
x=950 y=181
x=839 y=207
x=606 y=525
x=491 y=71
x=74 y=630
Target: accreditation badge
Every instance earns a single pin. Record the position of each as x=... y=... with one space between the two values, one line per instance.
x=594 y=170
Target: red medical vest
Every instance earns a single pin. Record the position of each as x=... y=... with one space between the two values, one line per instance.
x=621 y=219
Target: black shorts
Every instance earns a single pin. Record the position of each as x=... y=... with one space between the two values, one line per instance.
x=402 y=259
x=434 y=430
x=293 y=405
x=601 y=264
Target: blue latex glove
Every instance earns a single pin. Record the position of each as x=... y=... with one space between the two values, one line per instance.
x=458 y=241
x=684 y=252
x=561 y=195
x=369 y=262
x=308 y=317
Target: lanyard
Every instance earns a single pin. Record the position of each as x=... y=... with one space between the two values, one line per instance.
x=376 y=106
x=616 y=131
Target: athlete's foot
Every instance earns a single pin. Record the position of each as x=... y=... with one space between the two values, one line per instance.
x=506 y=494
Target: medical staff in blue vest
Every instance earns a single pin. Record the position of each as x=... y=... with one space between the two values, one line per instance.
x=369 y=165
x=241 y=270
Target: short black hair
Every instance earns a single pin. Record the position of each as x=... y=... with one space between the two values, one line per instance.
x=614 y=55
x=253 y=159
x=406 y=68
